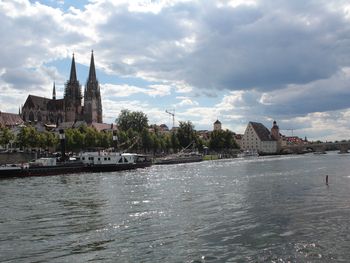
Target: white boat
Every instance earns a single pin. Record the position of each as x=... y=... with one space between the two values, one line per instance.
x=103 y=161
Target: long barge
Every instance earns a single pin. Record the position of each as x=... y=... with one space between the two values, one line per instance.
x=179 y=158
x=83 y=163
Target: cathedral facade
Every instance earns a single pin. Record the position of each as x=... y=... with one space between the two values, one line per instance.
x=70 y=108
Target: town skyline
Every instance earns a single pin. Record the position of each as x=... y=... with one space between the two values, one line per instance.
x=236 y=61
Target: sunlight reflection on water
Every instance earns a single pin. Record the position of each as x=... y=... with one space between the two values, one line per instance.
x=270 y=209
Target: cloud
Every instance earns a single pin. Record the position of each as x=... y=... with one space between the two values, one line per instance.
x=185 y=101
x=128 y=90
x=321 y=95
x=245 y=47
x=235 y=45
x=234 y=60
x=30 y=80
x=332 y=125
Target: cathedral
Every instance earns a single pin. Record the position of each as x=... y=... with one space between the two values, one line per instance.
x=70 y=108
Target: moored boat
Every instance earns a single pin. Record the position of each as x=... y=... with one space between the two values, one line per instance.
x=13 y=170
x=85 y=162
x=104 y=161
x=50 y=166
x=179 y=158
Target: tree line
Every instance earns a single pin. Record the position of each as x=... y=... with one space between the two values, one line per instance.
x=133 y=134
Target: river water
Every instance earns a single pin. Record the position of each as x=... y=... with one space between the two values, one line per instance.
x=266 y=209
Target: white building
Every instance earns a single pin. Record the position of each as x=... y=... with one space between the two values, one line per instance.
x=257 y=138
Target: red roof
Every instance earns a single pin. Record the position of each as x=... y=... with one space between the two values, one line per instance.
x=10 y=119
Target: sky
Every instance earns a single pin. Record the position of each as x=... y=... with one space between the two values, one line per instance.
x=236 y=61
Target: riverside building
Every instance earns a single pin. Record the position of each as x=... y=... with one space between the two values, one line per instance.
x=257 y=138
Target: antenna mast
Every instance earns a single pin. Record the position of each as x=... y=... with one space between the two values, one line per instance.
x=173 y=115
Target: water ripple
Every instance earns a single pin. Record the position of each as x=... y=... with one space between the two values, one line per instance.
x=270 y=209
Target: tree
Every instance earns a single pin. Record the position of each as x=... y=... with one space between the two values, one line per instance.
x=91 y=138
x=174 y=142
x=51 y=139
x=186 y=134
x=104 y=139
x=221 y=140
x=135 y=120
x=6 y=136
x=147 y=140
x=74 y=139
x=27 y=137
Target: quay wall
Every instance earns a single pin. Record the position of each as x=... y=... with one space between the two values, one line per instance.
x=11 y=158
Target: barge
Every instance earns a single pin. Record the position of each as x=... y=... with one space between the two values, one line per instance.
x=86 y=162
x=179 y=158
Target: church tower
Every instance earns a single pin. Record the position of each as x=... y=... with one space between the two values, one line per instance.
x=92 y=96
x=275 y=131
x=72 y=96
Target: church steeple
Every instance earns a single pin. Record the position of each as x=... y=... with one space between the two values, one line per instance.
x=92 y=96
x=54 y=91
x=92 y=71
x=73 y=72
x=72 y=95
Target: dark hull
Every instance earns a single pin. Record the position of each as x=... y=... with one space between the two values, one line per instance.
x=143 y=164
x=109 y=167
x=69 y=168
x=8 y=173
x=112 y=167
x=178 y=160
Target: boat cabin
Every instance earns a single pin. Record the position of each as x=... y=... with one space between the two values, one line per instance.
x=93 y=158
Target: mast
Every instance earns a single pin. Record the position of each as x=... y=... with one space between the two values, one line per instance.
x=54 y=91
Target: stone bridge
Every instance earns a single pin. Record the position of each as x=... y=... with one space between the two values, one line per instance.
x=343 y=147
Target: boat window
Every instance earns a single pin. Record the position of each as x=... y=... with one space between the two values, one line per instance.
x=109 y=158
x=125 y=160
x=83 y=158
x=99 y=159
x=120 y=160
x=105 y=158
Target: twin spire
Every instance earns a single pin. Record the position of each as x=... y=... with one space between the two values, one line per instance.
x=92 y=71
x=73 y=74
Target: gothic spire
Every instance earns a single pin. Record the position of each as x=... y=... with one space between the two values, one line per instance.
x=73 y=72
x=92 y=71
x=54 y=91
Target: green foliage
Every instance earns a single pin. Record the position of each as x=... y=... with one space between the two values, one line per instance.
x=28 y=137
x=147 y=140
x=84 y=138
x=222 y=140
x=135 y=120
x=5 y=136
x=133 y=135
x=50 y=139
x=186 y=134
x=174 y=142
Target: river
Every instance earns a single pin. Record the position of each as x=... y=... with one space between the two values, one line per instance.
x=266 y=209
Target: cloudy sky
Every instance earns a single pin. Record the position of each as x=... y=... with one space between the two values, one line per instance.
x=238 y=60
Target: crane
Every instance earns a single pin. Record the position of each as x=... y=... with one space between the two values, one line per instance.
x=292 y=130
x=173 y=115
